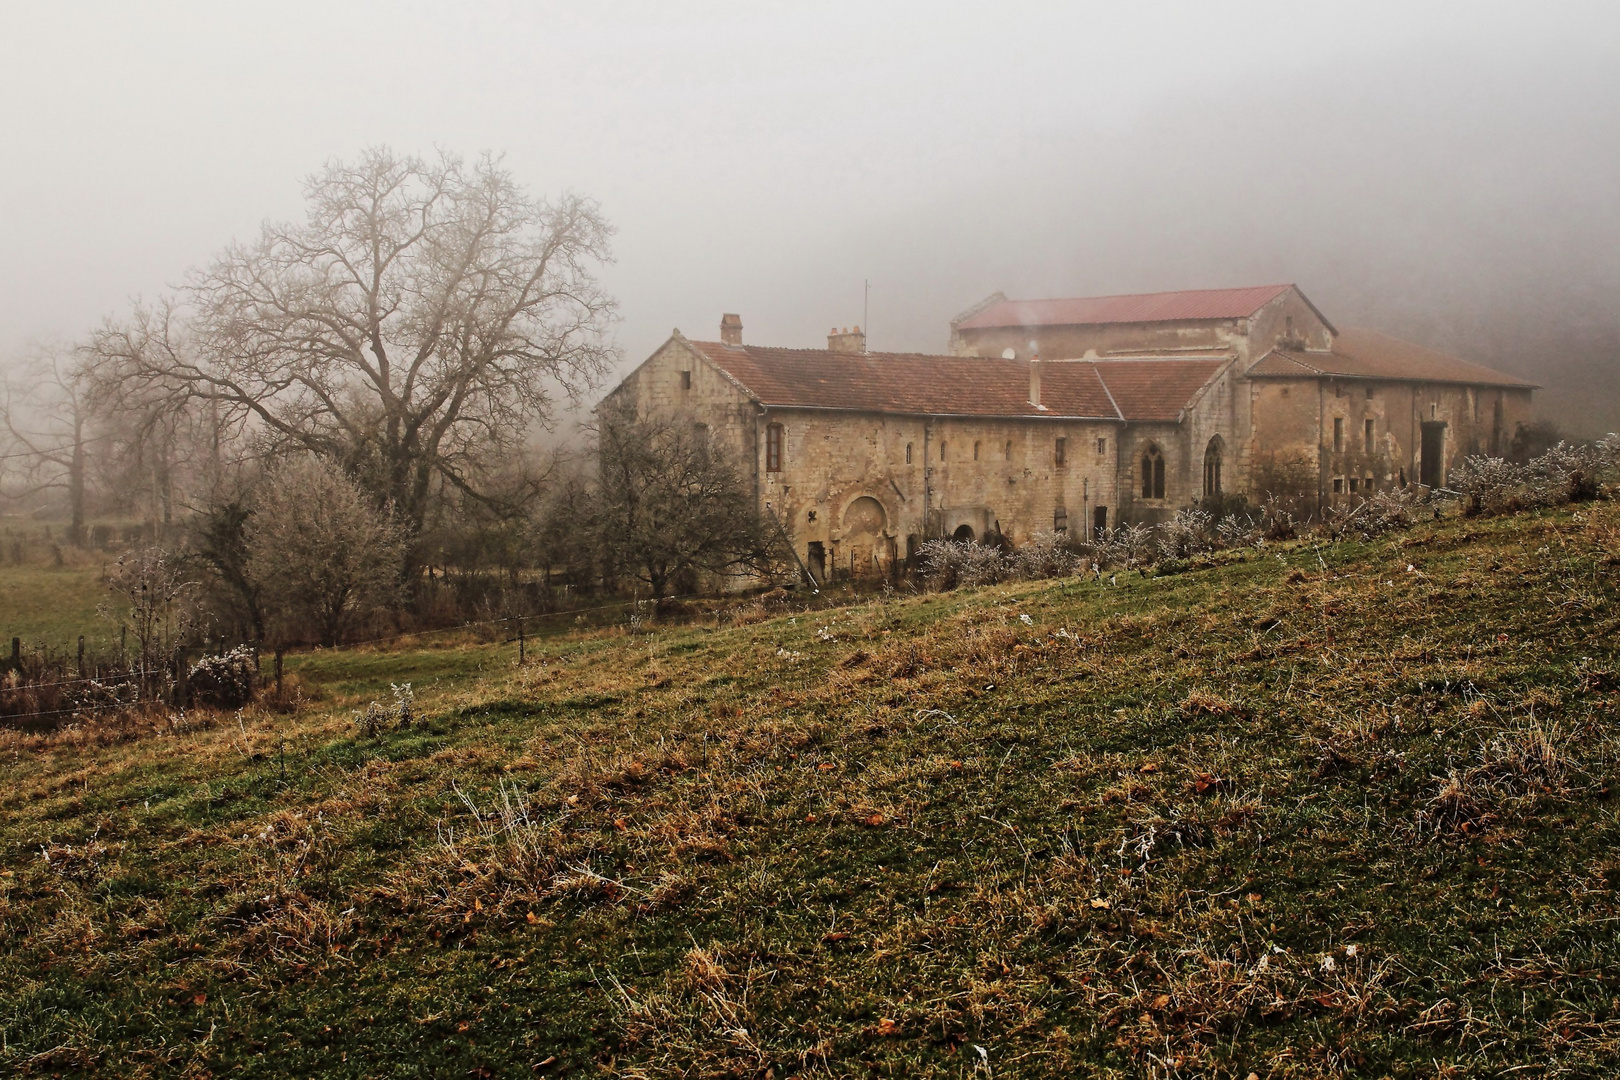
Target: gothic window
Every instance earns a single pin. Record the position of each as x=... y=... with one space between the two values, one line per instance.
x=975 y=451
x=1007 y=451
x=908 y=453
x=773 y=448
x=1152 y=473
x=1212 y=467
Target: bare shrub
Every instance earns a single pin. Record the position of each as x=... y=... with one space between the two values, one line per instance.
x=377 y=718
x=947 y=564
x=1188 y=532
x=1384 y=512
x=1047 y=555
x=1126 y=546
x=325 y=556
x=161 y=594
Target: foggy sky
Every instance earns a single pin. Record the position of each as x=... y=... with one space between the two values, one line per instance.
x=1448 y=172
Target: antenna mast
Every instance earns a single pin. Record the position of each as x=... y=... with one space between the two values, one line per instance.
x=866 y=310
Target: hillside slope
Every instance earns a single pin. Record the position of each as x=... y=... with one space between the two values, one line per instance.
x=1323 y=811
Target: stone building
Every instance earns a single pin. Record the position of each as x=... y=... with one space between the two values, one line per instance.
x=1075 y=415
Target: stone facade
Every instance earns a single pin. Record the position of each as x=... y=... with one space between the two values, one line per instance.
x=861 y=457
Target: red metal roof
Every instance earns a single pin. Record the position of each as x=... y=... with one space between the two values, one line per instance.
x=1366 y=354
x=1192 y=305
x=918 y=384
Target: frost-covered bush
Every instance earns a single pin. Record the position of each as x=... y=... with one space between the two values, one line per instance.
x=224 y=681
x=1488 y=485
x=377 y=718
x=1125 y=546
x=1188 y=532
x=1047 y=555
x=1380 y=513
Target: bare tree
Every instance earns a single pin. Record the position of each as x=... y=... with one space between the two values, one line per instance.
x=413 y=329
x=45 y=412
x=320 y=553
x=668 y=504
x=161 y=597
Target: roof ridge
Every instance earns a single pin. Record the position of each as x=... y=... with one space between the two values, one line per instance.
x=1154 y=292
x=1117 y=410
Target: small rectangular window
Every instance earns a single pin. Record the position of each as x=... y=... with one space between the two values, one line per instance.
x=773 y=448
x=1060 y=520
x=1007 y=451
x=1367 y=435
x=1102 y=447
x=1338 y=434
x=686 y=380
x=1354 y=484
x=1060 y=455
x=1369 y=393
x=1338 y=485
x=975 y=451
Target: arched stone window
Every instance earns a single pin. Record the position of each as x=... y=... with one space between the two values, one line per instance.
x=1152 y=473
x=1212 y=467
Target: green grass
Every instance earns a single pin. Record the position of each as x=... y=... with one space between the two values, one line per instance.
x=1321 y=812
x=52 y=606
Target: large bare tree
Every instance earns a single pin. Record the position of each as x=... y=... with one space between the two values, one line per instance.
x=45 y=419
x=414 y=328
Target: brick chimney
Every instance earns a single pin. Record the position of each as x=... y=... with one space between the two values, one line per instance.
x=731 y=329
x=1035 y=382
x=846 y=340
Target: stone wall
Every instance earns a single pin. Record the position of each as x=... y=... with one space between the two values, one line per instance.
x=868 y=488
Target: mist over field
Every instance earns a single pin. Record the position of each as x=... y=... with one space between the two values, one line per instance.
x=1448 y=174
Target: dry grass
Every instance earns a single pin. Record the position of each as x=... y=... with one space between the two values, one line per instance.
x=1313 y=814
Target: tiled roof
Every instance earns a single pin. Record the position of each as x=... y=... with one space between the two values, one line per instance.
x=1140 y=308
x=1155 y=389
x=918 y=384
x=1366 y=354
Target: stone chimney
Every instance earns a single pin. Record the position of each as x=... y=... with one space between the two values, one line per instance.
x=1035 y=382
x=731 y=329
x=846 y=340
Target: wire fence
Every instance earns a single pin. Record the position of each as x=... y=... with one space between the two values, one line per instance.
x=44 y=689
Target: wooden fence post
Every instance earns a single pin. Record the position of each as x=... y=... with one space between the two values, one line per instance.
x=81 y=656
x=16 y=653
x=520 y=641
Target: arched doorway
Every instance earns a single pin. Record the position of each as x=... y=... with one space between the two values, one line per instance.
x=1152 y=473
x=1212 y=467
x=963 y=534
x=864 y=520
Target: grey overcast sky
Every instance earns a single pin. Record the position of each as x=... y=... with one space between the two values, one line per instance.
x=1444 y=170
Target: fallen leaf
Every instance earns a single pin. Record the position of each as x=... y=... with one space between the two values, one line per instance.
x=1100 y=904
x=875 y=820
x=835 y=936
x=825 y=766
x=887 y=1027
x=1161 y=1001
x=200 y=999
x=1149 y=767
x=809 y=819
x=533 y=918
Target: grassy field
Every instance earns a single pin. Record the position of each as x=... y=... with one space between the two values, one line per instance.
x=53 y=605
x=1324 y=811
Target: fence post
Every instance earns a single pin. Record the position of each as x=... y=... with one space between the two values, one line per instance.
x=81 y=656
x=16 y=653
x=278 y=671
x=520 y=641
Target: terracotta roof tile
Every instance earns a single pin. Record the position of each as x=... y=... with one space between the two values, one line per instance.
x=1156 y=389
x=918 y=384
x=1366 y=354
x=1194 y=304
